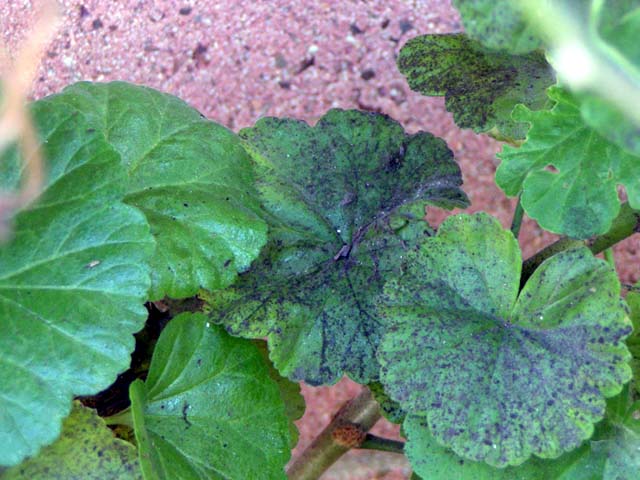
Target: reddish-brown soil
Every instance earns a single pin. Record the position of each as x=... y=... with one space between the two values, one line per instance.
x=239 y=60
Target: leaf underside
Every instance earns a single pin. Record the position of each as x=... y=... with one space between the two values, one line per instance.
x=566 y=172
x=497 y=375
x=338 y=198
x=72 y=283
x=189 y=176
x=481 y=86
x=209 y=408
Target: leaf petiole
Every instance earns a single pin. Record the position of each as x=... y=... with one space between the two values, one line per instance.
x=517 y=219
x=373 y=442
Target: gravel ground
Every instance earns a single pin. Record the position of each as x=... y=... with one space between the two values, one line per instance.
x=238 y=61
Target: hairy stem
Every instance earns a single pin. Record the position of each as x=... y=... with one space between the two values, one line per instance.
x=347 y=430
x=373 y=442
x=624 y=225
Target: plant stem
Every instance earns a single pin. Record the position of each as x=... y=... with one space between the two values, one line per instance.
x=373 y=442
x=624 y=225
x=517 y=219
x=608 y=256
x=121 y=418
x=360 y=413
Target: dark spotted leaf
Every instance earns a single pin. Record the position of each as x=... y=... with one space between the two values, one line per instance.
x=567 y=172
x=499 y=375
x=208 y=408
x=191 y=178
x=436 y=462
x=333 y=194
x=480 y=86
x=86 y=449
x=498 y=24
x=613 y=453
x=391 y=409
x=73 y=280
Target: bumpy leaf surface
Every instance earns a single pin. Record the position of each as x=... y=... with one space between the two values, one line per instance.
x=497 y=24
x=209 y=408
x=434 y=462
x=332 y=192
x=480 y=86
x=567 y=172
x=86 y=449
x=613 y=453
x=190 y=177
x=72 y=283
x=500 y=376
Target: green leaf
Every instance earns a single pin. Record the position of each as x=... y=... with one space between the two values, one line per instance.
x=497 y=24
x=86 y=449
x=292 y=398
x=498 y=375
x=391 y=409
x=633 y=342
x=617 y=24
x=567 y=172
x=611 y=123
x=433 y=461
x=480 y=86
x=334 y=194
x=191 y=178
x=209 y=408
x=612 y=454
x=72 y=284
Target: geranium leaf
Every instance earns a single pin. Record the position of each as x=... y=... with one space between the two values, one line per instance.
x=436 y=462
x=567 y=172
x=612 y=454
x=86 y=449
x=497 y=375
x=209 y=408
x=191 y=178
x=480 y=86
x=289 y=391
x=333 y=193
x=72 y=283
x=497 y=24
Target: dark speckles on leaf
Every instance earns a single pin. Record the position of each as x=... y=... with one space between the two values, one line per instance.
x=541 y=383
x=185 y=409
x=330 y=190
x=481 y=86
